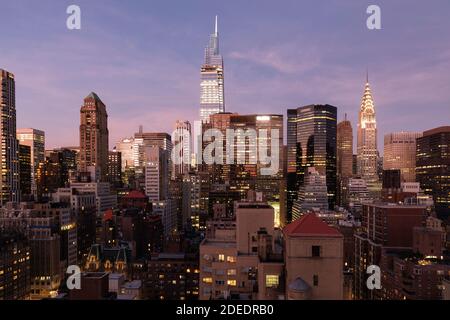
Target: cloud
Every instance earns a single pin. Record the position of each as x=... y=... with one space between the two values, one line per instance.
x=285 y=59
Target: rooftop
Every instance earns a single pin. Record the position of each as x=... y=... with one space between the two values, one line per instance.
x=95 y=275
x=310 y=225
x=135 y=194
x=93 y=95
x=255 y=205
x=380 y=204
x=219 y=243
x=445 y=129
x=135 y=284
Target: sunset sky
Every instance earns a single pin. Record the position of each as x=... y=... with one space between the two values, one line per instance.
x=143 y=59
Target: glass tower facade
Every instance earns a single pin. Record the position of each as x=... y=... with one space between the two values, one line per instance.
x=433 y=168
x=315 y=146
x=9 y=158
x=212 y=98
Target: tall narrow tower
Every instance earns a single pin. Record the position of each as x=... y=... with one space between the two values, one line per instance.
x=367 y=137
x=212 y=98
x=182 y=143
x=344 y=149
x=9 y=157
x=94 y=136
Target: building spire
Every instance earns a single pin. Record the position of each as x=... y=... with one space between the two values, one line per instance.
x=216 y=28
x=367 y=75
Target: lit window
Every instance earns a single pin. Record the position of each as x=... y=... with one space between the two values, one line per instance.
x=207 y=280
x=272 y=281
x=231 y=283
x=221 y=257
x=231 y=259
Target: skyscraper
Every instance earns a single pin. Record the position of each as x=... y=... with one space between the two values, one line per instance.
x=115 y=168
x=94 y=136
x=35 y=139
x=250 y=175
x=433 y=167
x=142 y=140
x=25 y=170
x=125 y=147
x=157 y=186
x=292 y=183
x=314 y=144
x=344 y=149
x=312 y=194
x=367 y=137
x=183 y=140
x=400 y=153
x=344 y=159
x=14 y=266
x=212 y=97
x=9 y=157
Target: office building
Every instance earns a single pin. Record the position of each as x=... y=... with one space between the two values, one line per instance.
x=126 y=148
x=169 y=276
x=182 y=141
x=231 y=257
x=383 y=225
x=14 y=266
x=367 y=138
x=144 y=140
x=25 y=170
x=35 y=139
x=115 y=169
x=9 y=157
x=157 y=186
x=312 y=195
x=212 y=96
x=312 y=138
x=94 y=136
x=400 y=153
x=344 y=149
x=433 y=167
x=52 y=236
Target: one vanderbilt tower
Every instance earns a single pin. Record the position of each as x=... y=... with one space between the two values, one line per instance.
x=212 y=98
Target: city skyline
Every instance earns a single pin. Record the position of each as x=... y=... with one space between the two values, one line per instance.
x=312 y=182
x=278 y=71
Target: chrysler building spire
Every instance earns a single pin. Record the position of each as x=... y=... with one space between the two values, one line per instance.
x=367 y=136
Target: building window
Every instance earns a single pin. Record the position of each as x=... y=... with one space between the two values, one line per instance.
x=221 y=257
x=272 y=281
x=231 y=259
x=315 y=251
x=207 y=280
x=316 y=280
x=231 y=283
x=231 y=272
